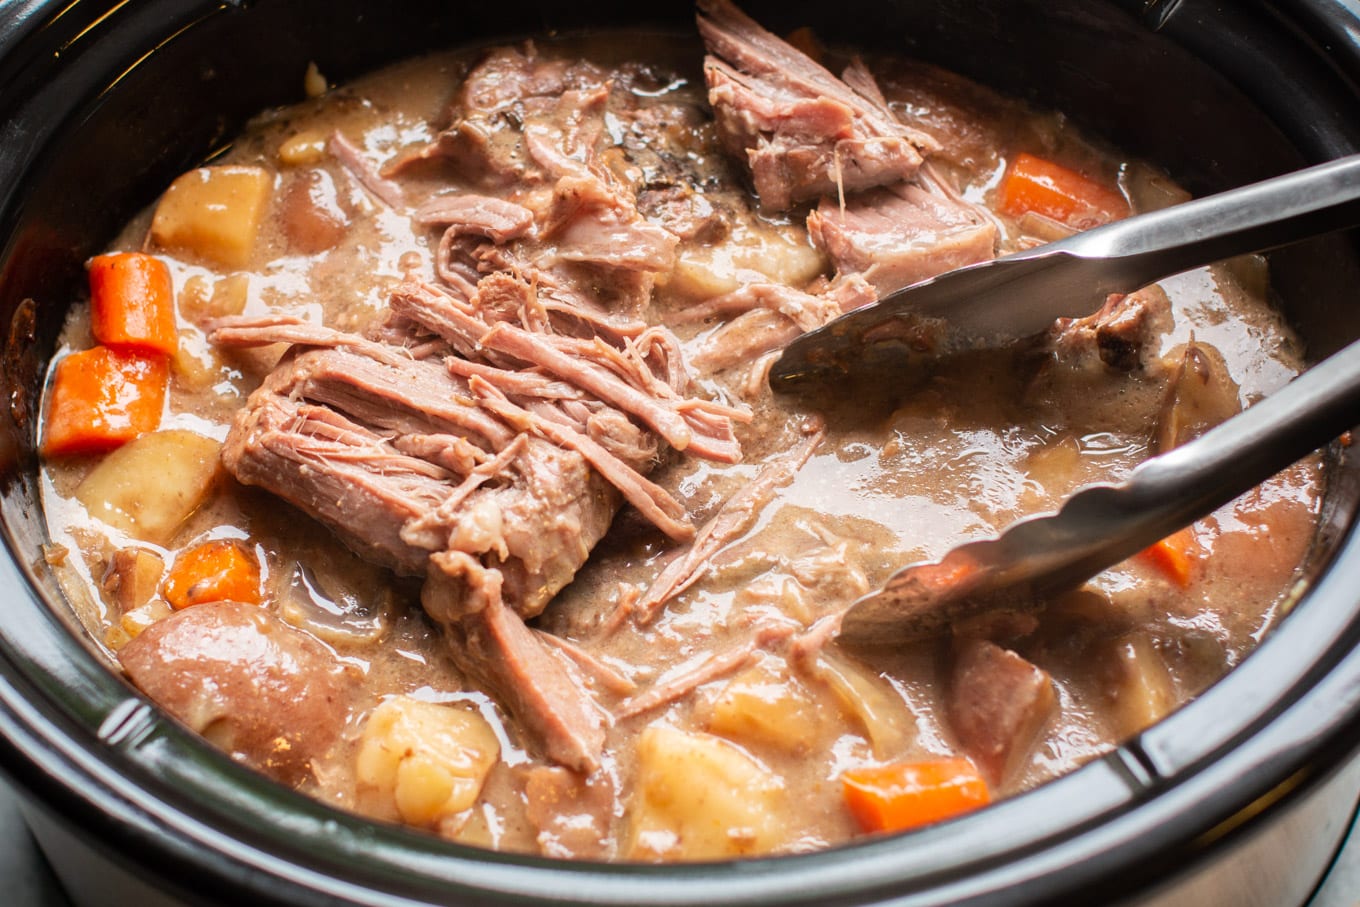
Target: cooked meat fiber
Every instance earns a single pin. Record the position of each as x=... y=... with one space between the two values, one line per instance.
x=1121 y=335
x=494 y=460
x=492 y=645
x=802 y=132
x=523 y=520
x=896 y=236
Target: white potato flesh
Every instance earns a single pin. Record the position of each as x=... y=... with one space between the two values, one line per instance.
x=214 y=213
x=759 y=707
x=424 y=762
x=149 y=487
x=699 y=797
x=750 y=256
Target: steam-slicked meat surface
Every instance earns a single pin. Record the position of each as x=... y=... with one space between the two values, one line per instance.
x=803 y=132
x=897 y=236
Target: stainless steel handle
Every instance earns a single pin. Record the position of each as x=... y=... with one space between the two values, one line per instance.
x=1099 y=526
x=1187 y=483
x=1264 y=215
x=994 y=302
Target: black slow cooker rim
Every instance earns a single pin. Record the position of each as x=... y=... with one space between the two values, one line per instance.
x=86 y=747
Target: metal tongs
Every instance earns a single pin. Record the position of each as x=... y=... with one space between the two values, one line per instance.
x=1019 y=295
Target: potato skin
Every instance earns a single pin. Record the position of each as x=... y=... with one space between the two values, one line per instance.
x=272 y=696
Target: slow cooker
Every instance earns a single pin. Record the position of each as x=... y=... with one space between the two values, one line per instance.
x=1240 y=798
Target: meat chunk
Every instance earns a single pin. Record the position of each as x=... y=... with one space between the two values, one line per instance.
x=732 y=520
x=537 y=515
x=897 y=236
x=491 y=463
x=803 y=132
x=1120 y=335
x=270 y=695
x=684 y=212
x=491 y=644
x=1104 y=372
x=478 y=215
x=744 y=339
x=997 y=705
x=509 y=85
x=593 y=223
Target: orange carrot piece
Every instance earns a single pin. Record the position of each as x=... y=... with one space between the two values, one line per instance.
x=1034 y=184
x=102 y=398
x=906 y=795
x=1173 y=555
x=132 y=302
x=215 y=571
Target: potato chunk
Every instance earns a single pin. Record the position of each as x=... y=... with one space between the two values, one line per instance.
x=703 y=272
x=698 y=797
x=424 y=762
x=272 y=696
x=764 y=706
x=133 y=577
x=1138 y=684
x=213 y=213
x=147 y=488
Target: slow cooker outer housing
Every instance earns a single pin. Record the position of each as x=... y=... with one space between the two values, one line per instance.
x=101 y=104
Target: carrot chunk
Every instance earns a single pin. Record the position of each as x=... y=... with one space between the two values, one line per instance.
x=1041 y=186
x=906 y=795
x=216 y=571
x=132 y=302
x=102 y=398
x=1173 y=555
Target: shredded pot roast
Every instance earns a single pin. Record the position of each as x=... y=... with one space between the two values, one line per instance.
x=418 y=452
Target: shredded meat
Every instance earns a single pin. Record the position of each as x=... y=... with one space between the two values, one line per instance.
x=731 y=522
x=802 y=132
x=897 y=236
x=353 y=160
x=1120 y=335
x=491 y=644
x=684 y=681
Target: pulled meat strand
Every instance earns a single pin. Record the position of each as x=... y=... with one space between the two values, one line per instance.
x=685 y=681
x=592 y=377
x=364 y=173
x=801 y=131
x=611 y=679
x=732 y=519
x=492 y=644
x=651 y=500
